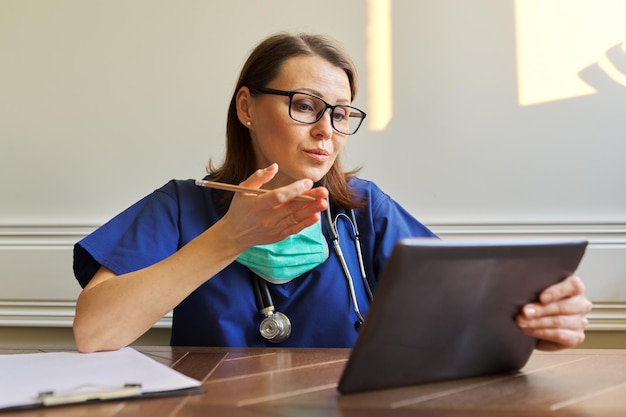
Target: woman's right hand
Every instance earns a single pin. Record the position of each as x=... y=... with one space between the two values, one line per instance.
x=267 y=218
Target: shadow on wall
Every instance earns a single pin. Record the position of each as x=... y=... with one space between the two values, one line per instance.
x=471 y=152
x=600 y=79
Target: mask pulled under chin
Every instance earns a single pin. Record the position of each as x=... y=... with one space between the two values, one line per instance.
x=283 y=261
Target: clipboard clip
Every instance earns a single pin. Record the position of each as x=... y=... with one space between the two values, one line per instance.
x=50 y=398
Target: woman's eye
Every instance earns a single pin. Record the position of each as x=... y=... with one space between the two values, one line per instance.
x=303 y=106
x=340 y=114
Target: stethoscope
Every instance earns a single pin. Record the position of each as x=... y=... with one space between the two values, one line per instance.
x=276 y=326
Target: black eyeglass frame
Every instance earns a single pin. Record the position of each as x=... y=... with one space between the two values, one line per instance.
x=290 y=94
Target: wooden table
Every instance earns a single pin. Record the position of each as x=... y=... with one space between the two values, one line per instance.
x=302 y=382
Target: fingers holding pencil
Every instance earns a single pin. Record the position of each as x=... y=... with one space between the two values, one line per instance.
x=282 y=212
x=242 y=189
x=261 y=176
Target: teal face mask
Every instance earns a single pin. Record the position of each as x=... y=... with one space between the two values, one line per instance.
x=283 y=261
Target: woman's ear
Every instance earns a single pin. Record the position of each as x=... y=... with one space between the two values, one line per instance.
x=244 y=101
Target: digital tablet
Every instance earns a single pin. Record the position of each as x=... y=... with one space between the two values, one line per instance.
x=446 y=309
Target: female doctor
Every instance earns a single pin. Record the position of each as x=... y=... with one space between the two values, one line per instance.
x=225 y=262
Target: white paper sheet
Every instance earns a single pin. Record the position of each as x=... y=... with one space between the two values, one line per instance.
x=24 y=376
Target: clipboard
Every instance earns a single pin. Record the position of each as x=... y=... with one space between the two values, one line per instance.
x=34 y=380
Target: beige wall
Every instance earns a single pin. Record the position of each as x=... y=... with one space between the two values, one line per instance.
x=103 y=101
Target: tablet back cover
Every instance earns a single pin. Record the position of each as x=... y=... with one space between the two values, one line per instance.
x=445 y=310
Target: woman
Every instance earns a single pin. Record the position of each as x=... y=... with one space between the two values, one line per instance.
x=212 y=256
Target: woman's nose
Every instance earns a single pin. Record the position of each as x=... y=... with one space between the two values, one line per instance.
x=324 y=127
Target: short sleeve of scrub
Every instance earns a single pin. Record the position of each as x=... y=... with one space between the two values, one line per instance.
x=145 y=233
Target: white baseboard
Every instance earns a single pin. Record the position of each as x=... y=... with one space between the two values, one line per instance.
x=47 y=314
x=604 y=317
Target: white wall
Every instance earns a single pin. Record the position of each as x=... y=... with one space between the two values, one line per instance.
x=103 y=101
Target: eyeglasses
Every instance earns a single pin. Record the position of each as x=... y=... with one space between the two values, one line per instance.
x=309 y=109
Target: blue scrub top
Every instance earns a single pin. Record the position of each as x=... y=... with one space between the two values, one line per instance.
x=223 y=310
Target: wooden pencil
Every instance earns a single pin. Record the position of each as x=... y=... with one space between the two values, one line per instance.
x=240 y=189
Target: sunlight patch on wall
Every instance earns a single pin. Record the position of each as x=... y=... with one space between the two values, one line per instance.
x=560 y=43
x=379 y=82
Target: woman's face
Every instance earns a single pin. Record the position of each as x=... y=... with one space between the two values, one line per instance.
x=300 y=150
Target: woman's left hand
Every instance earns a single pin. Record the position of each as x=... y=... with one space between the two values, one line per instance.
x=559 y=318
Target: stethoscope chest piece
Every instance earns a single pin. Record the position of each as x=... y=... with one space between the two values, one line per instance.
x=275 y=327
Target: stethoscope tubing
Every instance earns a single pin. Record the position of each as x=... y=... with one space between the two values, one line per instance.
x=359 y=252
x=334 y=236
x=262 y=295
x=264 y=298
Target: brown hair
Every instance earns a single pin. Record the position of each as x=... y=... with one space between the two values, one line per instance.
x=262 y=66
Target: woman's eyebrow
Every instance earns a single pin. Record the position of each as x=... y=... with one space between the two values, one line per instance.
x=320 y=95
